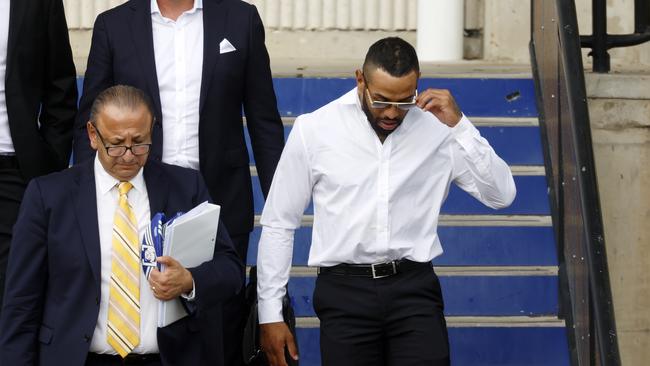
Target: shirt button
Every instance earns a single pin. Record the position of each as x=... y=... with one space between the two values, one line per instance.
x=86 y=338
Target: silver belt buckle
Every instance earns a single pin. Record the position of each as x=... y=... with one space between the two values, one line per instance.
x=374 y=273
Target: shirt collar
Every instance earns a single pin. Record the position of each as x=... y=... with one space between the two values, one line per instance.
x=198 y=4
x=105 y=182
x=351 y=97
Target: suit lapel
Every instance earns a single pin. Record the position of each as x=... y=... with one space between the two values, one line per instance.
x=140 y=24
x=157 y=187
x=85 y=204
x=215 y=13
x=17 y=10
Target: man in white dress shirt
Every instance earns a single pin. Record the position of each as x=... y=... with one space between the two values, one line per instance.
x=377 y=164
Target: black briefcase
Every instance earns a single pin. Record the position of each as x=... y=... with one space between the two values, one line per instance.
x=253 y=355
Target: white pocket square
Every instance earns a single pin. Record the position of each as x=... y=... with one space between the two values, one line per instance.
x=225 y=46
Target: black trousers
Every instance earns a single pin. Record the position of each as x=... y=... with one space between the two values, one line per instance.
x=234 y=314
x=12 y=188
x=391 y=321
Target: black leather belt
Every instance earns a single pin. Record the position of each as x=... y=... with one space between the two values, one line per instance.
x=376 y=270
x=130 y=359
x=8 y=162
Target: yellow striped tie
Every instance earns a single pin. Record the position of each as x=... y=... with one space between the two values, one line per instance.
x=124 y=300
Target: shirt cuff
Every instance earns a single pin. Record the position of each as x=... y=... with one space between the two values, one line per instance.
x=465 y=134
x=463 y=127
x=270 y=311
x=191 y=295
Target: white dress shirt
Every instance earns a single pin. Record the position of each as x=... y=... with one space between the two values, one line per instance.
x=6 y=144
x=178 y=51
x=138 y=198
x=373 y=202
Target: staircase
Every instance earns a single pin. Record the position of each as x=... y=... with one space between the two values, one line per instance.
x=499 y=269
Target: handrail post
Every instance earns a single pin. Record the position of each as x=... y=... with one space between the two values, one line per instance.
x=641 y=16
x=599 y=47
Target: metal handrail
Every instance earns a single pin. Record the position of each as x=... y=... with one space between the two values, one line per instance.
x=600 y=41
x=585 y=293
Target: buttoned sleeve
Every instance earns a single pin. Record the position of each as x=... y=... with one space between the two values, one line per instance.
x=288 y=197
x=478 y=170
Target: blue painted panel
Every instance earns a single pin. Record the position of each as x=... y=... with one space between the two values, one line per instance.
x=309 y=346
x=297 y=96
x=509 y=346
x=531 y=200
x=476 y=97
x=489 y=346
x=469 y=295
x=463 y=246
x=515 y=145
x=489 y=97
x=500 y=295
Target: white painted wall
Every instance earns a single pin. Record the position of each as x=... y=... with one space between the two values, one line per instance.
x=81 y=14
x=341 y=27
x=507 y=32
x=387 y=15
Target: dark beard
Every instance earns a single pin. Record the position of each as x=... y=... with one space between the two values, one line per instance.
x=373 y=121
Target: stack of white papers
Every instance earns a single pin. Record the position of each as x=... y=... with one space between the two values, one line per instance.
x=190 y=239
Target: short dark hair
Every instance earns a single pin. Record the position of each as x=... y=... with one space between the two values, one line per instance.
x=393 y=55
x=120 y=96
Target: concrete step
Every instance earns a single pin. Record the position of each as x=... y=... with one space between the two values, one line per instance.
x=473 y=321
x=344 y=68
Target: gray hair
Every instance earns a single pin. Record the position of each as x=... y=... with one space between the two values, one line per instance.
x=122 y=96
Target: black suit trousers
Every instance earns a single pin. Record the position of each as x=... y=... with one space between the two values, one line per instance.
x=391 y=321
x=12 y=189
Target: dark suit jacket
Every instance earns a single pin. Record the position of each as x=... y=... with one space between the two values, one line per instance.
x=40 y=76
x=122 y=53
x=53 y=278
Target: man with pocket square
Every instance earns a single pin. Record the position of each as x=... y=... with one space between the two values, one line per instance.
x=202 y=62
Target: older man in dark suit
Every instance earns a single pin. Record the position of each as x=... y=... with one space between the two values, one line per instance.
x=76 y=292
